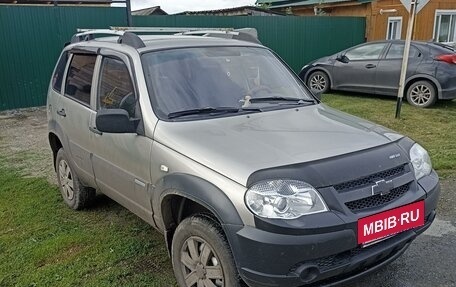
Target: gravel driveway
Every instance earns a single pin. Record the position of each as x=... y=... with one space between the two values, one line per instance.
x=430 y=261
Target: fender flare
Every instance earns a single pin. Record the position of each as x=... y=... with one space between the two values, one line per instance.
x=198 y=190
x=56 y=129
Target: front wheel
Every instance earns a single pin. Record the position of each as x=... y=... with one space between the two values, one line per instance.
x=318 y=82
x=201 y=255
x=421 y=94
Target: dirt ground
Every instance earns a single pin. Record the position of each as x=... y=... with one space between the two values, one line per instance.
x=24 y=143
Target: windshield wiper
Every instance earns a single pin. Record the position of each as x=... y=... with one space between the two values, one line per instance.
x=210 y=110
x=206 y=110
x=282 y=99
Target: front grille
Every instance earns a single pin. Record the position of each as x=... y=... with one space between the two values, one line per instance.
x=378 y=199
x=334 y=261
x=370 y=179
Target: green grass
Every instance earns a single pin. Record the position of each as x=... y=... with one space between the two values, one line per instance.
x=433 y=128
x=44 y=243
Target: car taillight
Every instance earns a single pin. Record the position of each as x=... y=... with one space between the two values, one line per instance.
x=449 y=58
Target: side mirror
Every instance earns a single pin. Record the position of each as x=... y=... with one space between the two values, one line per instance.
x=342 y=58
x=115 y=121
x=318 y=95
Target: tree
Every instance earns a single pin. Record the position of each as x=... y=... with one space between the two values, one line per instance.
x=265 y=5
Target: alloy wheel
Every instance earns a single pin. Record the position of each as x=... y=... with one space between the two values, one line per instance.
x=420 y=95
x=66 y=179
x=318 y=83
x=200 y=265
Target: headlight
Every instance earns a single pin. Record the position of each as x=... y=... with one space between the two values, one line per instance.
x=286 y=199
x=420 y=160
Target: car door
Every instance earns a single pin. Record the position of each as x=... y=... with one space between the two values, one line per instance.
x=389 y=68
x=355 y=69
x=121 y=162
x=74 y=109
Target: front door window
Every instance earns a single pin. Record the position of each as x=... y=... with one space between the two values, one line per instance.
x=116 y=88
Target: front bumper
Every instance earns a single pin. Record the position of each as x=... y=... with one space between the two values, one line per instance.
x=266 y=258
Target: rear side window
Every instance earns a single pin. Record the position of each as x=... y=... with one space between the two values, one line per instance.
x=396 y=51
x=58 y=73
x=116 y=89
x=79 y=78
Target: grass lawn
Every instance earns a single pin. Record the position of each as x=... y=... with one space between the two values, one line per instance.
x=43 y=243
x=434 y=129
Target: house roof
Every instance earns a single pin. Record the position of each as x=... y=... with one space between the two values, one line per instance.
x=292 y=3
x=231 y=10
x=156 y=10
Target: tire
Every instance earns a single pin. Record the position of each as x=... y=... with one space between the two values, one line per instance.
x=318 y=82
x=421 y=94
x=74 y=194
x=200 y=243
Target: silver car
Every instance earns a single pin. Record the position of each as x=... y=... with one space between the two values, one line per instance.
x=217 y=144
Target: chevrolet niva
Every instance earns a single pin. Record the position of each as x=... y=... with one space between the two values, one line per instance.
x=216 y=143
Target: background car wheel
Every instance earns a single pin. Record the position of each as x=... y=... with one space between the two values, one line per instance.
x=201 y=255
x=318 y=82
x=75 y=195
x=421 y=94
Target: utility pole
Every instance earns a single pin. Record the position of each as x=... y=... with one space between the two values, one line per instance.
x=408 y=40
x=128 y=7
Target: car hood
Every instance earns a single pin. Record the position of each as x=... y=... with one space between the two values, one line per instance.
x=237 y=146
x=323 y=60
x=328 y=60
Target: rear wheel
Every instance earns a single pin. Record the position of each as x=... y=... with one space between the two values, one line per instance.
x=318 y=82
x=75 y=195
x=422 y=94
x=201 y=255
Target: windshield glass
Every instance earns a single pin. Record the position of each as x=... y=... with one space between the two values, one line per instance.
x=214 y=77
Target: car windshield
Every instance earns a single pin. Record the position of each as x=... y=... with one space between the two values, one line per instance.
x=214 y=79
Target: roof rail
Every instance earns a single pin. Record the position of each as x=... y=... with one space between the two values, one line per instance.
x=244 y=34
x=128 y=36
x=166 y=30
x=125 y=37
x=88 y=34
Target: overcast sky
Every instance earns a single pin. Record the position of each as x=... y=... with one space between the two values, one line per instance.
x=175 y=6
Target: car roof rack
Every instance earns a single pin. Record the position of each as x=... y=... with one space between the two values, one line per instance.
x=128 y=35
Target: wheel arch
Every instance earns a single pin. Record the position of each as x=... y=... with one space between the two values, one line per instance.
x=319 y=69
x=55 y=138
x=179 y=195
x=422 y=77
x=56 y=144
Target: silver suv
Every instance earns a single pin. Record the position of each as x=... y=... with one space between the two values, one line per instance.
x=216 y=143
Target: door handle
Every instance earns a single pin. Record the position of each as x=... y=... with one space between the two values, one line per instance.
x=61 y=112
x=95 y=130
x=371 y=66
